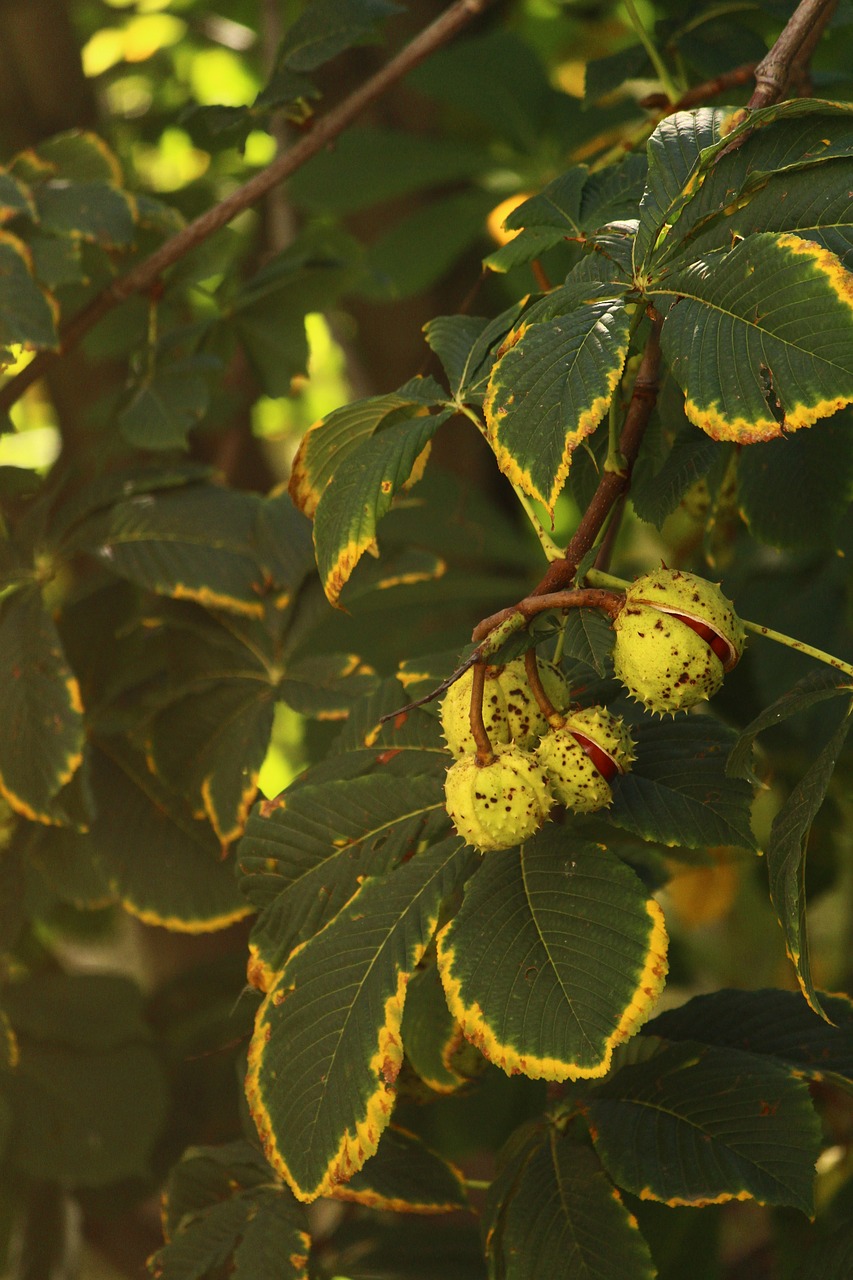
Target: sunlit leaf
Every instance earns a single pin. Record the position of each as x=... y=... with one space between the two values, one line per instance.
x=326 y=1048
x=555 y=956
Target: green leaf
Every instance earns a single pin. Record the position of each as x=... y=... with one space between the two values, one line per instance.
x=831 y=1258
x=191 y=544
x=89 y=1093
x=164 y=408
x=148 y=852
x=328 y=27
x=785 y=374
x=674 y=151
x=268 y=313
x=423 y=246
x=677 y=792
x=303 y=855
x=359 y=495
x=57 y=261
x=553 y=1212
x=326 y=1048
x=543 y=221
x=777 y=1023
x=436 y=1048
x=588 y=638
x=78 y=156
x=206 y=1175
x=91 y=211
x=15 y=198
x=28 y=314
x=655 y=495
x=786 y=855
x=551 y=387
x=555 y=956
x=405 y=1176
x=328 y=444
x=795 y=492
x=41 y=745
x=807 y=692
x=325 y=685
x=696 y=1126
x=370 y=165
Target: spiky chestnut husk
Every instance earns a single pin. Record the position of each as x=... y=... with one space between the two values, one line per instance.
x=676 y=637
x=583 y=755
x=510 y=711
x=500 y=804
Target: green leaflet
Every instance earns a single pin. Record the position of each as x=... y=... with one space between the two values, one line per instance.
x=760 y=339
x=360 y=494
x=550 y=388
x=555 y=957
x=41 y=745
x=678 y=792
x=326 y=1048
x=694 y=1126
x=28 y=314
x=777 y=1023
x=552 y=1211
x=405 y=1176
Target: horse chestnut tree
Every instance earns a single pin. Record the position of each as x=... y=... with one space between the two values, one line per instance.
x=388 y=739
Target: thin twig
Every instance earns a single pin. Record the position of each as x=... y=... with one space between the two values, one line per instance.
x=795 y=44
x=325 y=131
x=485 y=753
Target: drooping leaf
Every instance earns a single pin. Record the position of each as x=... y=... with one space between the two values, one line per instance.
x=694 y=1126
x=588 y=638
x=814 y=688
x=783 y=375
x=786 y=855
x=28 y=314
x=655 y=495
x=328 y=27
x=192 y=544
x=777 y=1023
x=145 y=850
x=260 y=1233
x=678 y=792
x=555 y=957
x=551 y=387
x=405 y=1176
x=89 y=1093
x=359 y=495
x=328 y=444
x=554 y=1212
x=326 y=1048
x=41 y=743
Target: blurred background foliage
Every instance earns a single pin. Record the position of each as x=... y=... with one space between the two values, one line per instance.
x=315 y=297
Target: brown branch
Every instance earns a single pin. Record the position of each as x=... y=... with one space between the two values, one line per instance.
x=485 y=753
x=712 y=88
x=791 y=51
x=609 y=602
x=142 y=277
x=534 y=680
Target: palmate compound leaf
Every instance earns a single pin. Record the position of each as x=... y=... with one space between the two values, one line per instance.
x=556 y=956
x=694 y=1125
x=552 y=384
x=326 y=1049
x=41 y=744
x=759 y=338
x=552 y=1211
